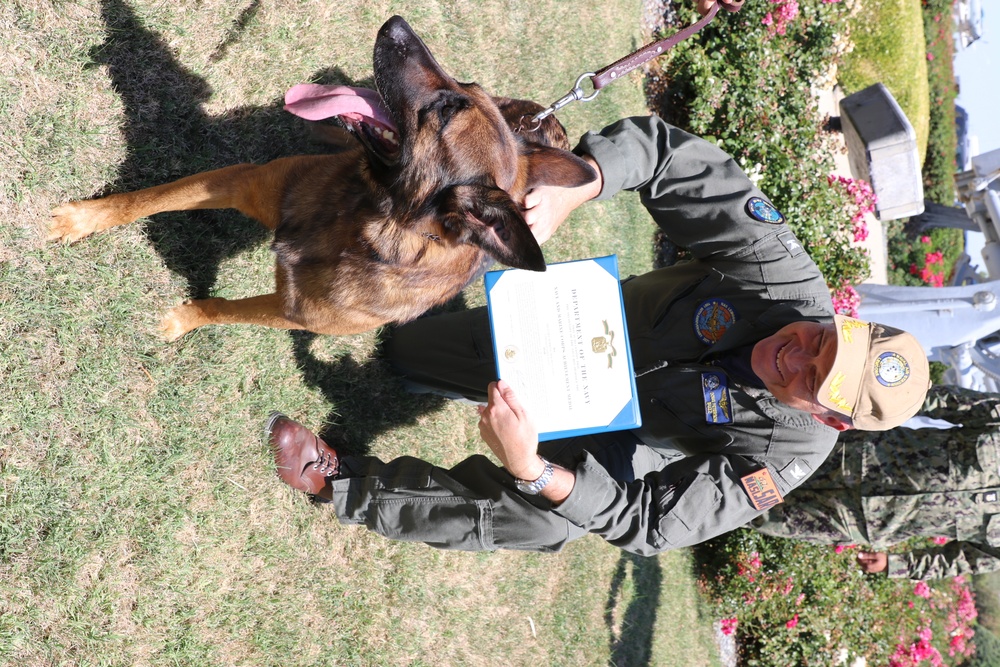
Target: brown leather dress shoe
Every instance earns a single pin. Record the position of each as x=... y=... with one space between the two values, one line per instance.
x=304 y=461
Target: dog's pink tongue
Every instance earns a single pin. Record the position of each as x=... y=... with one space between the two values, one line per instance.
x=313 y=101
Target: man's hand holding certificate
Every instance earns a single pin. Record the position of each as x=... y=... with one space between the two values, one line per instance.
x=561 y=344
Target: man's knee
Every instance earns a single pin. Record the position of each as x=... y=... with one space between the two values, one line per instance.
x=449 y=354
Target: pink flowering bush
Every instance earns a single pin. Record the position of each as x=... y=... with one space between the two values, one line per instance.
x=958 y=603
x=716 y=91
x=846 y=300
x=864 y=203
x=922 y=260
x=783 y=12
x=922 y=589
x=918 y=652
x=859 y=206
x=793 y=603
x=727 y=626
x=961 y=619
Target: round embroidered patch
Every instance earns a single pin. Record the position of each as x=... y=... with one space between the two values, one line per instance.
x=712 y=319
x=891 y=369
x=764 y=211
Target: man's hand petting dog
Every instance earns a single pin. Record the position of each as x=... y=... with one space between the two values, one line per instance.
x=547 y=207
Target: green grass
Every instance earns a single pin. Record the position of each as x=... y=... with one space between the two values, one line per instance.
x=140 y=519
x=889 y=47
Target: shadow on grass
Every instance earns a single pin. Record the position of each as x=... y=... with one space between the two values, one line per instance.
x=369 y=398
x=169 y=135
x=633 y=646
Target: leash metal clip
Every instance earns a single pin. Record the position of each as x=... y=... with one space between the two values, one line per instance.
x=625 y=65
x=577 y=94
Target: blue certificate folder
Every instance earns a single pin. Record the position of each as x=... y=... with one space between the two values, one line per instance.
x=561 y=342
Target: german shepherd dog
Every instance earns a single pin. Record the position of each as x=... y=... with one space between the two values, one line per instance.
x=421 y=204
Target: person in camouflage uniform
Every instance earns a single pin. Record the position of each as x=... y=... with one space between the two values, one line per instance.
x=883 y=488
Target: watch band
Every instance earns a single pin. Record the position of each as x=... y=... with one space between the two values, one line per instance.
x=535 y=487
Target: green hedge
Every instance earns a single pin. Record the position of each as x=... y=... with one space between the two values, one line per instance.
x=793 y=603
x=909 y=250
x=747 y=86
x=713 y=86
x=939 y=162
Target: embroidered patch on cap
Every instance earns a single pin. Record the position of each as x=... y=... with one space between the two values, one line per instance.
x=718 y=407
x=891 y=369
x=762 y=210
x=712 y=318
x=762 y=490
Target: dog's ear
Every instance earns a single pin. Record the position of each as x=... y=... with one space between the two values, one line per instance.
x=519 y=113
x=554 y=166
x=489 y=218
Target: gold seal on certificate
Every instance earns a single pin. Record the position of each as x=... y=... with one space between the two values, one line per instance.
x=561 y=343
x=605 y=343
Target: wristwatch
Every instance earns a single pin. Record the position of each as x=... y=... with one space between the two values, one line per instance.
x=535 y=487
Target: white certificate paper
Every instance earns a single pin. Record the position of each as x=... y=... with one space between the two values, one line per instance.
x=561 y=343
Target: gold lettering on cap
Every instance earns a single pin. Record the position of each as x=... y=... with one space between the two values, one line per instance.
x=848 y=327
x=835 y=396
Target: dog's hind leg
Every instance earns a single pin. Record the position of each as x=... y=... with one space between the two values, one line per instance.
x=264 y=310
x=255 y=190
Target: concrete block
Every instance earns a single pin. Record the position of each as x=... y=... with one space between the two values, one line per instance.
x=882 y=149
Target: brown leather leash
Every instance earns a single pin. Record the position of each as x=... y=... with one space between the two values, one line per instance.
x=617 y=69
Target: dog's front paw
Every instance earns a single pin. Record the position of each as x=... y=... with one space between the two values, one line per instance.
x=77 y=219
x=179 y=320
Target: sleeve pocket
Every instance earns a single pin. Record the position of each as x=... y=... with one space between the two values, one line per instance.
x=993 y=530
x=986 y=453
x=684 y=508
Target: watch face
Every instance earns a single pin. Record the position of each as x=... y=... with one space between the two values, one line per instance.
x=525 y=487
x=535 y=487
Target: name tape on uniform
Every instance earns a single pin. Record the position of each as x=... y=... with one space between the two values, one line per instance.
x=762 y=490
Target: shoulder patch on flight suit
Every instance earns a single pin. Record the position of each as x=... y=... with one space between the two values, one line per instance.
x=791 y=244
x=712 y=318
x=796 y=471
x=762 y=490
x=760 y=209
x=718 y=405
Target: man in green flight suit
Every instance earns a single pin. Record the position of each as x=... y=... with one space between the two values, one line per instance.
x=792 y=373
x=940 y=479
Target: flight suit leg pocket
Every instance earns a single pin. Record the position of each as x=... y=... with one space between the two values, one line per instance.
x=442 y=522
x=412 y=500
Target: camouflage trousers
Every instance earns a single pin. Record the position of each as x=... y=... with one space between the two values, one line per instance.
x=816 y=516
x=827 y=509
